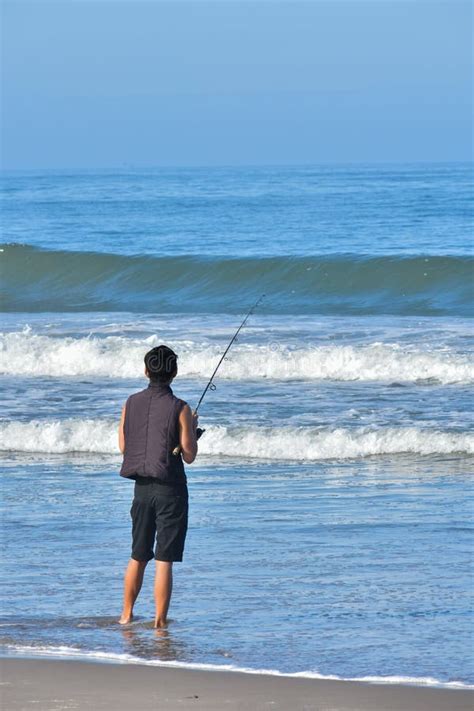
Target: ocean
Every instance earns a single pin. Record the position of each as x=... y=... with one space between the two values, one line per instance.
x=330 y=524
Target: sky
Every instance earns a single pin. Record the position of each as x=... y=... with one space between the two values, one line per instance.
x=109 y=84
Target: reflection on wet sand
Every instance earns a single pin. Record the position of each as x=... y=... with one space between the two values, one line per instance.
x=154 y=643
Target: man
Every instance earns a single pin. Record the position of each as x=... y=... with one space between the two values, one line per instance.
x=155 y=422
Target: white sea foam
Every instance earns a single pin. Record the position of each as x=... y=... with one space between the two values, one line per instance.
x=30 y=354
x=100 y=436
x=65 y=652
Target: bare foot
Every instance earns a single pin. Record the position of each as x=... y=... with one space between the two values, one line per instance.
x=159 y=624
x=125 y=620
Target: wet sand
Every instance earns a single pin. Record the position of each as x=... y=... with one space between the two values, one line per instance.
x=49 y=685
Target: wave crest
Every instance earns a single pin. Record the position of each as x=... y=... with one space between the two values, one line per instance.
x=36 y=279
x=26 y=353
x=100 y=436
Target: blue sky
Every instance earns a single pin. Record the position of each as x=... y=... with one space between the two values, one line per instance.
x=90 y=84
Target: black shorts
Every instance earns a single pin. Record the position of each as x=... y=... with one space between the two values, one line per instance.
x=159 y=511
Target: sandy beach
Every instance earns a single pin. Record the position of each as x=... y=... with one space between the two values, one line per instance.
x=253 y=217
x=49 y=685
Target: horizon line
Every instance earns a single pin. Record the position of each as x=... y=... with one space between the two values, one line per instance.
x=219 y=166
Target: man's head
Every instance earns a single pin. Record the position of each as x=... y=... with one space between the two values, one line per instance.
x=161 y=364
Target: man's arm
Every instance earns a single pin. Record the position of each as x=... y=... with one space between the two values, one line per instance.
x=187 y=434
x=121 y=432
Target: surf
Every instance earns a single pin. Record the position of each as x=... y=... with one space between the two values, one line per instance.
x=32 y=354
x=300 y=443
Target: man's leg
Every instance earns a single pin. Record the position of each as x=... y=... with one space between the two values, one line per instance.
x=163 y=589
x=132 y=586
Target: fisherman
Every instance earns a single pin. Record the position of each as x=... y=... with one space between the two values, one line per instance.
x=157 y=432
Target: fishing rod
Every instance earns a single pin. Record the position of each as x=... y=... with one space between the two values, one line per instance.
x=210 y=385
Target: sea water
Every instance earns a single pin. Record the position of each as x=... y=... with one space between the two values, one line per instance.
x=331 y=502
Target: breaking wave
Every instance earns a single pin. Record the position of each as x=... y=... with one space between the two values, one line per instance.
x=29 y=354
x=100 y=436
x=37 y=279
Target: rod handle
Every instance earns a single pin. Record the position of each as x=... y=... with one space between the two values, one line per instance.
x=177 y=450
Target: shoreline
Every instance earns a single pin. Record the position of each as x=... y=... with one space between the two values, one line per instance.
x=74 y=684
x=65 y=654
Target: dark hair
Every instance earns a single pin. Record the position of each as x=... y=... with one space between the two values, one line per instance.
x=161 y=364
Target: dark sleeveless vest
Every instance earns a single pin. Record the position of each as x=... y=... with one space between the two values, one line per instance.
x=151 y=432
